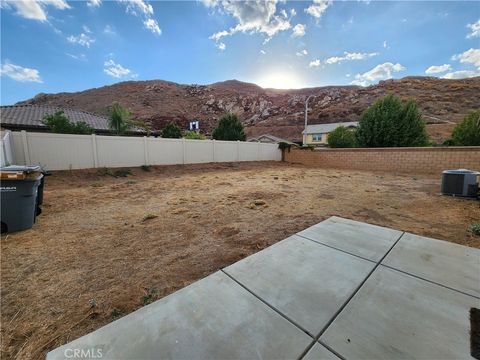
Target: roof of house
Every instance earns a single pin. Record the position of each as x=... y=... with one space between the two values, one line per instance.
x=31 y=116
x=271 y=137
x=326 y=128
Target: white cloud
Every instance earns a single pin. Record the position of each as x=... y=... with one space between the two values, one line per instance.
x=350 y=57
x=462 y=74
x=77 y=57
x=94 y=3
x=86 y=29
x=283 y=12
x=82 y=39
x=293 y=12
x=302 y=52
x=152 y=25
x=115 y=70
x=475 y=29
x=263 y=52
x=471 y=56
x=19 y=73
x=385 y=44
x=221 y=46
x=318 y=8
x=435 y=69
x=34 y=9
x=109 y=30
x=379 y=72
x=251 y=16
x=298 y=30
x=315 y=63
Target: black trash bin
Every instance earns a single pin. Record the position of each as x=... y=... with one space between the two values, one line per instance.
x=19 y=197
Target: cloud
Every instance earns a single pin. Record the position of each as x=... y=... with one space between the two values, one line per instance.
x=438 y=69
x=471 y=56
x=462 y=74
x=302 y=53
x=152 y=25
x=221 y=46
x=385 y=44
x=19 y=73
x=293 y=12
x=251 y=17
x=115 y=70
x=263 y=52
x=77 y=57
x=143 y=9
x=350 y=57
x=379 y=72
x=318 y=8
x=109 y=30
x=82 y=39
x=86 y=29
x=315 y=63
x=94 y=3
x=475 y=30
x=298 y=30
x=34 y=9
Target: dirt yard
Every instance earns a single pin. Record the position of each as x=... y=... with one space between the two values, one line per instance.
x=106 y=246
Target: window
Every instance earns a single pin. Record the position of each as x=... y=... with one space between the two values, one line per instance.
x=317 y=137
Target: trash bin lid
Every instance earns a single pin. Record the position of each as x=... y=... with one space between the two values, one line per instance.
x=21 y=168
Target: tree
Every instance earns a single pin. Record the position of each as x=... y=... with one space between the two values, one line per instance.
x=229 y=128
x=120 y=119
x=342 y=137
x=194 y=135
x=59 y=123
x=171 y=131
x=389 y=122
x=467 y=133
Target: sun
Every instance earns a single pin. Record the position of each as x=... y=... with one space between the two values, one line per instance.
x=280 y=80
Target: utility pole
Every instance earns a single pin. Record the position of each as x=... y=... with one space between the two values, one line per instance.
x=306 y=119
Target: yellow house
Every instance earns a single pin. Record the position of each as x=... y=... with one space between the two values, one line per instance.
x=317 y=134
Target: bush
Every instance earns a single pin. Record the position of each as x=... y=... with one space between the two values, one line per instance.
x=120 y=119
x=389 y=122
x=59 y=123
x=342 y=137
x=192 y=135
x=467 y=133
x=171 y=131
x=229 y=128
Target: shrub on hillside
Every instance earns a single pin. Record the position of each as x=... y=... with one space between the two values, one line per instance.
x=229 y=128
x=59 y=123
x=391 y=122
x=192 y=135
x=171 y=131
x=342 y=137
x=467 y=133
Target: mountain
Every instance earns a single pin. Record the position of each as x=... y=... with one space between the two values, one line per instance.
x=443 y=103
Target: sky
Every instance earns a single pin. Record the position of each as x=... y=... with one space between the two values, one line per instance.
x=50 y=46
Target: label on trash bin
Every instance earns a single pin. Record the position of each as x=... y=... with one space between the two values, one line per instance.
x=8 y=188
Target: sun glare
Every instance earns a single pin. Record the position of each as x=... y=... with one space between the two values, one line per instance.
x=280 y=80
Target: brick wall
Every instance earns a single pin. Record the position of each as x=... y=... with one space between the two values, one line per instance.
x=428 y=160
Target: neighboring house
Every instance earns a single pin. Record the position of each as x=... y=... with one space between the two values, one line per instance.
x=318 y=134
x=267 y=138
x=29 y=117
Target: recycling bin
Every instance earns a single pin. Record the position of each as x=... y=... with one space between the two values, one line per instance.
x=19 y=197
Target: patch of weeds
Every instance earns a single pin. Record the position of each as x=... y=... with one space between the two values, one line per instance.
x=92 y=303
x=147 y=168
x=150 y=296
x=97 y=184
x=475 y=228
x=117 y=173
x=116 y=314
x=149 y=217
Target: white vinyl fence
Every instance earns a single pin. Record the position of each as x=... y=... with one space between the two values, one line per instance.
x=64 y=151
x=6 y=157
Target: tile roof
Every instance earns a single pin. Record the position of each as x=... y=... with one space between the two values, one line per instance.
x=32 y=116
x=271 y=137
x=326 y=128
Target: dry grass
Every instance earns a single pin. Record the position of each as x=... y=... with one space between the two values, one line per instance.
x=93 y=240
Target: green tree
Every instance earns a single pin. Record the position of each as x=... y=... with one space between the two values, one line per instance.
x=229 y=128
x=59 y=123
x=171 y=131
x=389 y=122
x=467 y=133
x=120 y=119
x=193 y=135
x=342 y=137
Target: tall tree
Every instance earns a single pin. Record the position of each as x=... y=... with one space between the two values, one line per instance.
x=467 y=133
x=229 y=128
x=120 y=119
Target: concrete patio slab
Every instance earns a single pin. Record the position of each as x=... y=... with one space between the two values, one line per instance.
x=445 y=263
x=365 y=240
x=306 y=281
x=320 y=352
x=214 y=318
x=395 y=315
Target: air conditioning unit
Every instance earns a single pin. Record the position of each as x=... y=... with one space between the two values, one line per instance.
x=460 y=182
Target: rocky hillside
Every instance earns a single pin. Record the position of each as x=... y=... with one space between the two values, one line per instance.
x=278 y=112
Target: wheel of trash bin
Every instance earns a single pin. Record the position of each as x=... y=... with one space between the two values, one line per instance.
x=4 y=228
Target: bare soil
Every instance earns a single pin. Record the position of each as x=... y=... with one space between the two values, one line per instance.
x=105 y=246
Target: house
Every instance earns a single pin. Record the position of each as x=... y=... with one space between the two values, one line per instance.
x=317 y=134
x=267 y=138
x=30 y=117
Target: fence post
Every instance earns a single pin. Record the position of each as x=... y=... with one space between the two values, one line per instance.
x=25 y=147
x=258 y=150
x=94 y=150
x=184 y=148
x=213 y=149
x=238 y=150
x=145 y=150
